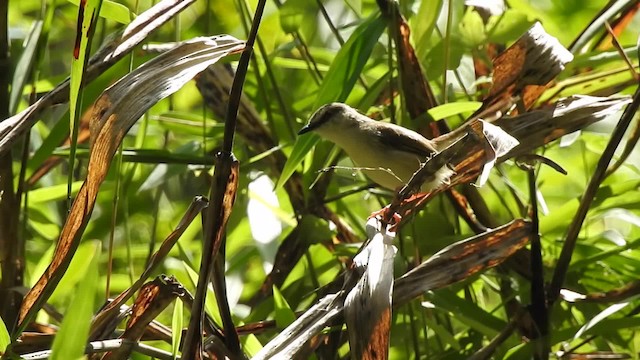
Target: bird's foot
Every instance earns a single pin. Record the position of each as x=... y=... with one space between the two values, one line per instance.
x=393 y=220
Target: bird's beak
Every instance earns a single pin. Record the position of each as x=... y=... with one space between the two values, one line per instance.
x=305 y=129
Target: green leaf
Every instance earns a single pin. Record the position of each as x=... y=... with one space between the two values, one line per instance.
x=5 y=339
x=602 y=315
x=508 y=26
x=112 y=10
x=294 y=12
x=349 y=62
x=53 y=193
x=58 y=133
x=80 y=264
x=450 y=109
x=72 y=337
x=177 y=322
x=468 y=313
x=472 y=29
x=284 y=315
x=301 y=148
x=210 y=303
x=425 y=20
x=23 y=68
x=338 y=83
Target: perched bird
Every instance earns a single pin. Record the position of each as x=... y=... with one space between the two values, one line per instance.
x=386 y=153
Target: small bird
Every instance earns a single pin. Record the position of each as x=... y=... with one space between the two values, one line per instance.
x=386 y=153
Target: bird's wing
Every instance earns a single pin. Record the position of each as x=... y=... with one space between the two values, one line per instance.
x=405 y=140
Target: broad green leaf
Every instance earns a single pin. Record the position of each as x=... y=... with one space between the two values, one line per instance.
x=153 y=156
x=251 y=345
x=355 y=5
x=71 y=339
x=284 y=315
x=80 y=264
x=435 y=62
x=176 y=327
x=472 y=29
x=602 y=315
x=301 y=148
x=53 y=193
x=59 y=132
x=508 y=26
x=5 y=339
x=112 y=10
x=442 y=333
x=425 y=20
x=337 y=85
x=296 y=64
x=468 y=313
x=450 y=109
x=349 y=61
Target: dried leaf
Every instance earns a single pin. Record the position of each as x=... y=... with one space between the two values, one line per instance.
x=500 y=143
x=461 y=260
x=536 y=128
x=108 y=313
x=115 y=111
x=368 y=305
x=154 y=297
x=121 y=44
x=525 y=68
x=290 y=340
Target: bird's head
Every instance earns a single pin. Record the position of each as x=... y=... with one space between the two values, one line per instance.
x=331 y=118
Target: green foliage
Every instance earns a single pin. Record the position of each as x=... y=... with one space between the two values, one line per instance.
x=71 y=339
x=300 y=64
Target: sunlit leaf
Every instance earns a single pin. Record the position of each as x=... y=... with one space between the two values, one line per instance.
x=112 y=10
x=283 y=315
x=349 y=62
x=70 y=340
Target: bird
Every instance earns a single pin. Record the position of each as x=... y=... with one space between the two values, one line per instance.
x=386 y=153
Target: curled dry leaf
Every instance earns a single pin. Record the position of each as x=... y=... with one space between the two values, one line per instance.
x=452 y=264
x=461 y=260
x=121 y=44
x=292 y=339
x=367 y=308
x=154 y=297
x=537 y=128
x=524 y=70
x=115 y=111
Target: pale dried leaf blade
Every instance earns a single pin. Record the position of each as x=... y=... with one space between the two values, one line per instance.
x=536 y=128
x=12 y=128
x=462 y=259
x=115 y=111
x=145 y=23
x=138 y=91
x=368 y=305
x=292 y=339
x=500 y=142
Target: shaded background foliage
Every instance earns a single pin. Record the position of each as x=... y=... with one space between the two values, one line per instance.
x=147 y=193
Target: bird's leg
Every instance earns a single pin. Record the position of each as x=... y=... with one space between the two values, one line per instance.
x=405 y=208
x=386 y=217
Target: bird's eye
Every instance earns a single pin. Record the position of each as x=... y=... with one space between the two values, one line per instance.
x=327 y=115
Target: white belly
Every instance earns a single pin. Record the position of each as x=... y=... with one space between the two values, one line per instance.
x=392 y=169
